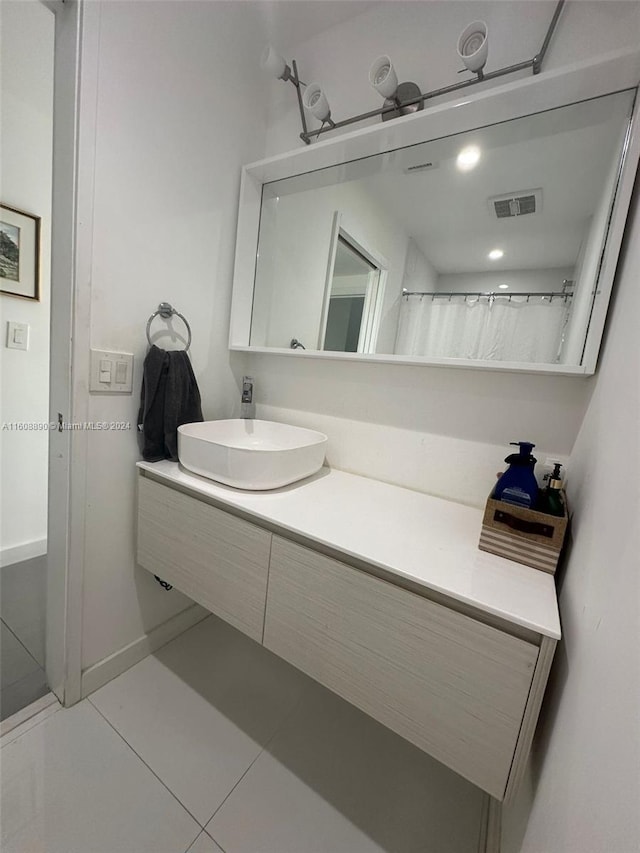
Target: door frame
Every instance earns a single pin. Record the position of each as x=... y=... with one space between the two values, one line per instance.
x=374 y=298
x=74 y=108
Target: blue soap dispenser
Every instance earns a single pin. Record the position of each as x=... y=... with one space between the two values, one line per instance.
x=518 y=484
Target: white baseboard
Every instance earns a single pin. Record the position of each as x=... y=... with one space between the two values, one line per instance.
x=26 y=551
x=105 y=670
x=20 y=722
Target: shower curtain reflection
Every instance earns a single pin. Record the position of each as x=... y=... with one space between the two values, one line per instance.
x=525 y=329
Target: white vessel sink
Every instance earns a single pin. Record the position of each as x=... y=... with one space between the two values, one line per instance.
x=250 y=454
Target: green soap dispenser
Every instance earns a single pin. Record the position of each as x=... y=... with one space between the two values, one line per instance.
x=553 y=502
x=518 y=484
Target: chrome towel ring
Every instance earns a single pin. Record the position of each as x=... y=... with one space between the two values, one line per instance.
x=165 y=310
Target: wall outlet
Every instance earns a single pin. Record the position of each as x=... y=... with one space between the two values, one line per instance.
x=111 y=372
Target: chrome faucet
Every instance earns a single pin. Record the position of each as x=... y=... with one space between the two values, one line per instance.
x=247 y=396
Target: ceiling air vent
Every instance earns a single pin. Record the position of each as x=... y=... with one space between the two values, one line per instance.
x=420 y=167
x=516 y=204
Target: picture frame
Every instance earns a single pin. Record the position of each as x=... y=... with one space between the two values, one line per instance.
x=19 y=253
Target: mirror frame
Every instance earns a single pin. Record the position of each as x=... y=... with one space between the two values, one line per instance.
x=610 y=73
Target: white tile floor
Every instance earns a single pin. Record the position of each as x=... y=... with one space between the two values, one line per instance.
x=213 y=744
x=22 y=637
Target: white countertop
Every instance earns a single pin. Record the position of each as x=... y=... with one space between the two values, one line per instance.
x=430 y=541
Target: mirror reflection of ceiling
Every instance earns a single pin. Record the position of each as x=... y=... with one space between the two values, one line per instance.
x=448 y=213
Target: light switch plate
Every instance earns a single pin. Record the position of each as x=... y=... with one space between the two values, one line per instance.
x=17 y=335
x=117 y=366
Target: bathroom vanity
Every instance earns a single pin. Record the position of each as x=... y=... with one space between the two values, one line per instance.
x=375 y=591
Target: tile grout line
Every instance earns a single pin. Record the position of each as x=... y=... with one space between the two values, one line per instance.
x=204 y=832
x=217 y=843
x=151 y=770
x=269 y=740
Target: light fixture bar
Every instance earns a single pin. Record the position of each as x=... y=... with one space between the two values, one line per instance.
x=535 y=64
x=298 y=84
x=538 y=59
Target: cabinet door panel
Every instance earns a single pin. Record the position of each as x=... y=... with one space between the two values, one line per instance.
x=455 y=687
x=216 y=559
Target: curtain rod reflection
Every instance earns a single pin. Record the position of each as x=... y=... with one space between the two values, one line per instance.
x=550 y=294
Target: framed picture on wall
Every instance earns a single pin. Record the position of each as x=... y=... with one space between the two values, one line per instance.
x=19 y=253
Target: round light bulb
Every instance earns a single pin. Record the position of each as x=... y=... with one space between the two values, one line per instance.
x=495 y=254
x=468 y=158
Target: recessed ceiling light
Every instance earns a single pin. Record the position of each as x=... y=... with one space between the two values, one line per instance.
x=495 y=254
x=468 y=158
x=503 y=286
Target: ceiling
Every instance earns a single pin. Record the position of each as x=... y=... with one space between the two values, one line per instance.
x=290 y=22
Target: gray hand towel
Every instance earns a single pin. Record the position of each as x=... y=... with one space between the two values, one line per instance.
x=170 y=397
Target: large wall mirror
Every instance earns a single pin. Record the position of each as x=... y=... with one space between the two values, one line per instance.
x=480 y=247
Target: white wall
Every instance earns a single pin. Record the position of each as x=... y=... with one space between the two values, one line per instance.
x=178 y=112
x=419 y=272
x=435 y=429
x=587 y=769
x=26 y=98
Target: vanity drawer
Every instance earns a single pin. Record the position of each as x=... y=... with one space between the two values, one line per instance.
x=455 y=687
x=218 y=560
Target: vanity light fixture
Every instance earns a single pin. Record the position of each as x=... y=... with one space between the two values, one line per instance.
x=275 y=65
x=404 y=98
x=473 y=47
x=468 y=158
x=495 y=254
x=315 y=101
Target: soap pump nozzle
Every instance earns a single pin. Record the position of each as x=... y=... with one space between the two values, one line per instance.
x=525 y=448
x=555 y=480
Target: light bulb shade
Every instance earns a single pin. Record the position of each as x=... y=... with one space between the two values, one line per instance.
x=473 y=46
x=273 y=63
x=383 y=78
x=315 y=101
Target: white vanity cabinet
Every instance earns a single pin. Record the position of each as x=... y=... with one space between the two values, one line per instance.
x=218 y=560
x=459 y=672
x=453 y=686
